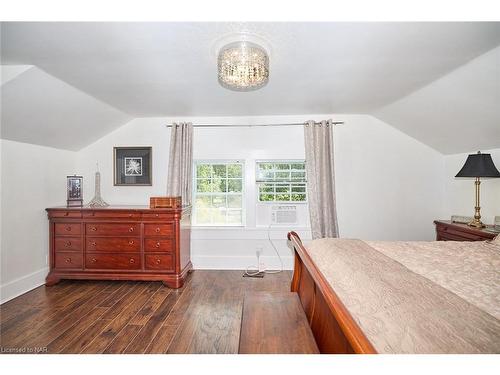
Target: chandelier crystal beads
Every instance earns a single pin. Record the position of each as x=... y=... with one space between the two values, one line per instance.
x=243 y=66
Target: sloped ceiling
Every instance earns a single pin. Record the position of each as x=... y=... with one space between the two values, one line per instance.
x=169 y=69
x=459 y=112
x=40 y=109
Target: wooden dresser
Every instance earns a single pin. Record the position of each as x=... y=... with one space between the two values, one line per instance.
x=120 y=243
x=448 y=231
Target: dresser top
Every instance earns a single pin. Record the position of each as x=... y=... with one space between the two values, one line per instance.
x=117 y=208
x=467 y=228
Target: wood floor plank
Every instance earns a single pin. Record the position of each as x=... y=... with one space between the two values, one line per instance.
x=151 y=328
x=150 y=307
x=77 y=310
x=134 y=301
x=74 y=333
x=203 y=316
x=162 y=340
x=123 y=339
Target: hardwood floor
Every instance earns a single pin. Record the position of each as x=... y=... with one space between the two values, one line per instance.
x=133 y=317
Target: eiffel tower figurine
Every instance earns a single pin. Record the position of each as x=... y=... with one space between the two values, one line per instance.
x=97 y=201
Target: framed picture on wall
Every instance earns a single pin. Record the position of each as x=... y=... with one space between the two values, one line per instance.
x=132 y=166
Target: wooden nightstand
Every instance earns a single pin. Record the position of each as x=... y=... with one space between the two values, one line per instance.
x=448 y=231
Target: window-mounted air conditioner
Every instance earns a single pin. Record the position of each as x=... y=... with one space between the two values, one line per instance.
x=284 y=214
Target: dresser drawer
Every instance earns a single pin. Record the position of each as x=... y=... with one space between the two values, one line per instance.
x=152 y=244
x=159 y=216
x=67 y=229
x=67 y=244
x=125 y=229
x=113 y=261
x=68 y=213
x=163 y=262
x=159 y=229
x=68 y=260
x=113 y=244
x=112 y=214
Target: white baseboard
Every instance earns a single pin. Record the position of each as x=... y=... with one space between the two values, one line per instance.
x=22 y=285
x=202 y=262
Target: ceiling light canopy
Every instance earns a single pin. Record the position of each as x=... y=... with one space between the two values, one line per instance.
x=243 y=66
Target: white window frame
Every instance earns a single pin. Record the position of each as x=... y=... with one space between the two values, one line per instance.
x=277 y=161
x=243 y=193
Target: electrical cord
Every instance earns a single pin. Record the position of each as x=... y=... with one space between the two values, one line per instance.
x=248 y=269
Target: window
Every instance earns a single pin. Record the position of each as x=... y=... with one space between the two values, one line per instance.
x=283 y=181
x=218 y=193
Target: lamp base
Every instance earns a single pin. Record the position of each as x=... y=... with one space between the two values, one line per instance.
x=476 y=224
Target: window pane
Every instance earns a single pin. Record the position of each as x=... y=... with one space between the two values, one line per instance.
x=203 y=186
x=282 y=175
x=234 y=186
x=266 y=188
x=266 y=197
x=234 y=216
x=219 y=216
x=234 y=201
x=298 y=176
x=282 y=166
x=203 y=201
x=219 y=185
x=203 y=171
x=283 y=197
x=299 y=197
x=298 y=166
x=276 y=174
x=234 y=170
x=282 y=188
x=219 y=170
x=218 y=201
x=298 y=189
x=203 y=215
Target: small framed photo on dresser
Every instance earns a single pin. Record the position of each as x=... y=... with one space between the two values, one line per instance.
x=132 y=166
x=74 y=191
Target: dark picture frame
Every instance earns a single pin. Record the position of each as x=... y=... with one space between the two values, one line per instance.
x=74 y=188
x=133 y=166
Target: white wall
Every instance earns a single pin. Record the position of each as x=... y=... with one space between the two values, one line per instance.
x=389 y=186
x=32 y=178
x=460 y=192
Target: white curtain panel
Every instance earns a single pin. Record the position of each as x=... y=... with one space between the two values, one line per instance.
x=180 y=162
x=320 y=178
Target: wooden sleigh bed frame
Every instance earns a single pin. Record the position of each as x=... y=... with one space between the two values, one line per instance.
x=333 y=327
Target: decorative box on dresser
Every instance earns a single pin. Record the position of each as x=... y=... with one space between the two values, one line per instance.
x=449 y=231
x=120 y=243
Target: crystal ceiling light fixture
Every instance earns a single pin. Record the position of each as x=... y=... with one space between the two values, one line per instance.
x=243 y=65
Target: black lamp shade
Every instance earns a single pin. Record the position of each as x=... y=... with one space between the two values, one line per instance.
x=478 y=165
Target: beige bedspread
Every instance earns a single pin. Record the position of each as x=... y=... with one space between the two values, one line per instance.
x=417 y=297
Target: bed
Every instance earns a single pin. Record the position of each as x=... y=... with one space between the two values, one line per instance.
x=400 y=297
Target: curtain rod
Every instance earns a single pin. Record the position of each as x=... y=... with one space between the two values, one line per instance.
x=252 y=125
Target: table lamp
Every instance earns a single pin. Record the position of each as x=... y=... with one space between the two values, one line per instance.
x=478 y=165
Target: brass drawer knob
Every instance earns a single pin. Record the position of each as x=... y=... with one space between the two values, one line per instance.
x=157 y=215
x=93 y=229
x=158 y=261
x=131 y=229
x=157 y=230
x=68 y=260
x=94 y=260
x=68 y=228
x=157 y=244
x=68 y=244
x=130 y=215
x=93 y=243
x=131 y=242
x=132 y=261
x=66 y=214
